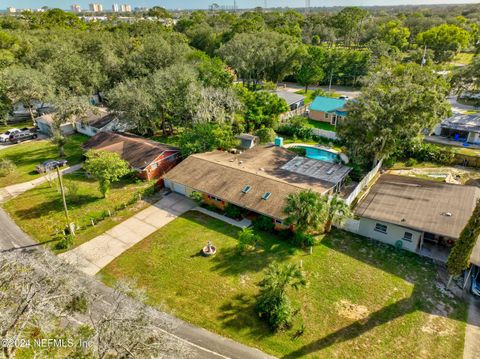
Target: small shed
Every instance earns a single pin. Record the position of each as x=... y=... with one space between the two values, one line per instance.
x=247 y=141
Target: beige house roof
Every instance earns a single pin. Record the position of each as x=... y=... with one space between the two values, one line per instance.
x=225 y=175
x=424 y=205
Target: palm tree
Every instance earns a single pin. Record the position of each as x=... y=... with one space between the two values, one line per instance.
x=338 y=210
x=306 y=210
x=280 y=277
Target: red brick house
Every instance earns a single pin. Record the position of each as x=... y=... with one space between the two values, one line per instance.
x=149 y=158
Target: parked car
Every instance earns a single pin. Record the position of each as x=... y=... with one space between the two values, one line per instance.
x=5 y=137
x=23 y=135
x=50 y=165
x=476 y=281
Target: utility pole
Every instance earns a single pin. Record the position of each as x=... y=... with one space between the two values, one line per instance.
x=62 y=191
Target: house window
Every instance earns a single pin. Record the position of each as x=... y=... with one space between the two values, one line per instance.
x=382 y=228
x=326 y=114
x=213 y=198
x=407 y=236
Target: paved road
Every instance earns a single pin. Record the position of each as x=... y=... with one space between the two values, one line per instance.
x=203 y=344
x=459 y=107
x=95 y=254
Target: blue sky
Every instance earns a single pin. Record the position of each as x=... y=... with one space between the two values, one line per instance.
x=175 y=4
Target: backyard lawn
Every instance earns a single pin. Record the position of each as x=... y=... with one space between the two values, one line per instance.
x=364 y=300
x=26 y=156
x=322 y=125
x=311 y=94
x=39 y=211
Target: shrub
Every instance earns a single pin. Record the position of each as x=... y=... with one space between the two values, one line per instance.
x=297 y=127
x=7 y=167
x=266 y=135
x=233 y=211
x=247 y=239
x=71 y=190
x=276 y=309
x=411 y=162
x=264 y=223
x=66 y=242
x=303 y=240
x=300 y=151
x=197 y=197
x=428 y=152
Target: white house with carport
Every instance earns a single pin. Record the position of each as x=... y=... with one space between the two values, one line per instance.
x=460 y=127
x=415 y=214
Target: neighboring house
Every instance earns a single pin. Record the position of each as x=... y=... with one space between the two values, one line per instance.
x=258 y=180
x=247 y=141
x=102 y=120
x=416 y=214
x=149 y=158
x=293 y=100
x=327 y=109
x=461 y=127
x=45 y=125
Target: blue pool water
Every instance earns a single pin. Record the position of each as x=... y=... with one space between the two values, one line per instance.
x=322 y=155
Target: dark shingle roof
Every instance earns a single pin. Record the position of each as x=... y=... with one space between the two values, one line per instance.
x=139 y=152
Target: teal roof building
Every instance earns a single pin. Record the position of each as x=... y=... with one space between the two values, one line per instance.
x=330 y=105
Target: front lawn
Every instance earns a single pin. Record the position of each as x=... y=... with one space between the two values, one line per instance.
x=364 y=300
x=39 y=212
x=26 y=156
x=311 y=94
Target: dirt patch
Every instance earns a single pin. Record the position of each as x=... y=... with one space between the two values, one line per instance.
x=458 y=175
x=348 y=310
x=438 y=325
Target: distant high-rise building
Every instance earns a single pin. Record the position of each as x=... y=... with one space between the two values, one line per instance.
x=76 y=8
x=126 y=8
x=115 y=8
x=11 y=10
x=95 y=7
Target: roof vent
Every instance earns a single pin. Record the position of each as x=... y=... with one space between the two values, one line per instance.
x=403 y=220
x=262 y=169
x=240 y=162
x=246 y=189
x=330 y=171
x=447 y=214
x=266 y=195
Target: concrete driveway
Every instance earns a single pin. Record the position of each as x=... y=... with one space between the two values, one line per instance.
x=95 y=254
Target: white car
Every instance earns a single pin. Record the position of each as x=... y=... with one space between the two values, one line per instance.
x=4 y=137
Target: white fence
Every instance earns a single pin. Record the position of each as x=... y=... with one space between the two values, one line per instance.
x=363 y=183
x=323 y=133
x=301 y=111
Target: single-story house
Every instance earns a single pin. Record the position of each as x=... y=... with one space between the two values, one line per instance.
x=45 y=125
x=462 y=127
x=415 y=214
x=149 y=158
x=258 y=180
x=293 y=100
x=327 y=109
x=101 y=120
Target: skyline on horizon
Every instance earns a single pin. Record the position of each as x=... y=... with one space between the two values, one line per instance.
x=203 y=4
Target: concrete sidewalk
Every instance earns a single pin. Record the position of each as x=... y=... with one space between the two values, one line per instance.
x=472 y=333
x=9 y=192
x=244 y=223
x=95 y=254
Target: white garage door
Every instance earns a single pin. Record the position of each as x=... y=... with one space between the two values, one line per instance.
x=178 y=188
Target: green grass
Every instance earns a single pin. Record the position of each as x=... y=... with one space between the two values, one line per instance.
x=322 y=125
x=26 y=156
x=345 y=273
x=39 y=211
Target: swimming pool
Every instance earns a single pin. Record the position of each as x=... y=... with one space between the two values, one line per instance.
x=321 y=154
